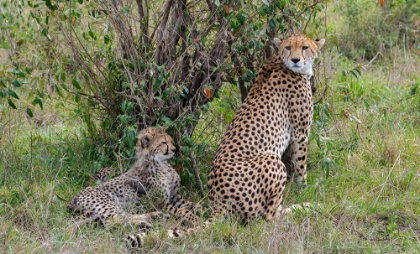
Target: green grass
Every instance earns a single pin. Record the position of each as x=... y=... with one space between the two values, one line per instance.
x=363 y=174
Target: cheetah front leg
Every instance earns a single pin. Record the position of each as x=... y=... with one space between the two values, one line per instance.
x=299 y=156
x=96 y=205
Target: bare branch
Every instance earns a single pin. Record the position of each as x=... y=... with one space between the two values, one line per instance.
x=161 y=33
x=144 y=21
x=197 y=174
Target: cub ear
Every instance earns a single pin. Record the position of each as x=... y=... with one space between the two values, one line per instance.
x=145 y=140
x=319 y=43
x=277 y=42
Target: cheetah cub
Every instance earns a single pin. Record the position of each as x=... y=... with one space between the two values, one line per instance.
x=106 y=202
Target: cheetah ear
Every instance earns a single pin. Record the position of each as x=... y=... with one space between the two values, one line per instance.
x=277 y=42
x=319 y=43
x=145 y=140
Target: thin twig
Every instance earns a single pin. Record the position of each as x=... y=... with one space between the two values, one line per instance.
x=197 y=174
x=373 y=59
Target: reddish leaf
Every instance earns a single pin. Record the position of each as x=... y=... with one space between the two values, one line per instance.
x=226 y=7
x=207 y=91
x=178 y=168
x=382 y=2
x=196 y=40
x=345 y=115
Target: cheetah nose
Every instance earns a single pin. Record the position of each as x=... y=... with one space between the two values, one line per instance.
x=173 y=150
x=295 y=60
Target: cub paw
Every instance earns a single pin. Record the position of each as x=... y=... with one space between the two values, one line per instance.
x=135 y=241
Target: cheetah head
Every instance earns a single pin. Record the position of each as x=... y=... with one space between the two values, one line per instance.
x=298 y=52
x=154 y=144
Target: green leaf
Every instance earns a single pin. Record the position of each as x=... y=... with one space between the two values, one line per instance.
x=11 y=104
x=205 y=107
x=62 y=199
x=29 y=112
x=85 y=36
x=166 y=94
x=327 y=166
x=18 y=73
x=249 y=73
x=241 y=19
x=12 y=93
x=257 y=45
x=64 y=87
x=167 y=120
x=106 y=39
x=272 y=24
x=39 y=102
x=91 y=34
x=77 y=98
x=58 y=91
x=63 y=76
x=224 y=105
x=44 y=31
x=123 y=119
x=17 y=83
x=50 y=6
x=75 y=84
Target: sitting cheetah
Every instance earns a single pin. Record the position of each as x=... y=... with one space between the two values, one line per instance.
x=106 y=201
x=247 y=175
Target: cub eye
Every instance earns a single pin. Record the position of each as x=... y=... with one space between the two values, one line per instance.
x=287 y=47
x=305 y=47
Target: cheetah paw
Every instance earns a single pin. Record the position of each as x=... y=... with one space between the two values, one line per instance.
x=135 y=241
x=295 y=207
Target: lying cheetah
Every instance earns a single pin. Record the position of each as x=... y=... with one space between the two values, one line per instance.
x=106 y=201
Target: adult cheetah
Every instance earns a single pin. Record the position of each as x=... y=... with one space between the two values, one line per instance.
x=247 y=177
x=106 y=201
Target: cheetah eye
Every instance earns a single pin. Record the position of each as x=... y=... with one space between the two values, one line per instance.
x=305 y=47
x=287 y=47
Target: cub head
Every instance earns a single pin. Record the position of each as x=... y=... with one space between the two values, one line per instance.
x=298 y=52
x=154 y=144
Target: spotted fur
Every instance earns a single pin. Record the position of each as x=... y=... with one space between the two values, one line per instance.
x=106 y=202
x=247 y=177
x=103 y=175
